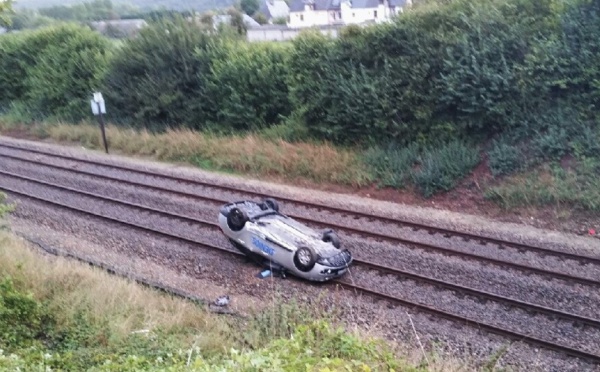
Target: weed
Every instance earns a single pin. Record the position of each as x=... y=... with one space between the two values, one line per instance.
x=392 y=165
x=504 y=158
x=250 y=154
x=442 y=167
x=550 y=184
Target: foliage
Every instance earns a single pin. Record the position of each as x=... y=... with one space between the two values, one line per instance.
x=552 y=185
x=53 y=70
x=443 y=166
x=94 y=10
x=20 y=316
x=27 y=19
x=393 y=164
x=249 y=6
x=159 y=77
x=248 y=82
x=523 y=72
x=504 y=158
x=143 y=6
x=5 y=7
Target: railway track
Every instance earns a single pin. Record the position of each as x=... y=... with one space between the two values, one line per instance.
x=581 y=259
x=388 y=220
x=575 y=319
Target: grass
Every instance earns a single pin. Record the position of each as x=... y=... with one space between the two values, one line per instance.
x=249 y=154
x=576 y=187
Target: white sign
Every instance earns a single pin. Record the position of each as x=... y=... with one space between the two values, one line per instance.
x=98 y=100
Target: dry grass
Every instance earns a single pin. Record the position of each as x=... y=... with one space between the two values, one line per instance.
x=249 y=154
x=122 y=306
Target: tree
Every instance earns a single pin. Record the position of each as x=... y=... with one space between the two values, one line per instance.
x=6 y=7
x=260 y=18
x=249 y=6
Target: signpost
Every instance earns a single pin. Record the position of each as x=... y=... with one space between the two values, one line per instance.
x=98 y=108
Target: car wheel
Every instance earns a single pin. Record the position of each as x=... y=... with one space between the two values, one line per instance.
x=305 y=259
x=271 y=203
x=236 y=219
x=330 y=237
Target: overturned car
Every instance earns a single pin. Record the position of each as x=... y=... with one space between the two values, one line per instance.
x=264 y=234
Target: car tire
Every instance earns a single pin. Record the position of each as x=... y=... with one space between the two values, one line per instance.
x=331 y=237
x=305 y=259
x=236 y=219
x=271 y=203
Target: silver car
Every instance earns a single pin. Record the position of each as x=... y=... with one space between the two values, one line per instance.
x=261 y=232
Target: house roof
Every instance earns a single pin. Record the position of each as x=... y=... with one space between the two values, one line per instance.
x=361 y=4
x=398 y=3
x=274 y=8
x=298 y=5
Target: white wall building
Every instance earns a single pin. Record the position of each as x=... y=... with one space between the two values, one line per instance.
x=309 y=13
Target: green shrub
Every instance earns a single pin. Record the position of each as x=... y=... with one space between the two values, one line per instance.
x=504 y=158
x=392 y=165
x=291 y=130
x=554 y=144
x=587 y=142
x=12 y=69
x=442 y=167
x=159 y=77
x=20 y=317
x=66 y=71
x=248 y=82
x=4 y=209
x=552 y=185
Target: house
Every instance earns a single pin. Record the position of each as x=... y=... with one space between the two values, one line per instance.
x=226 y=19
x=309 y=13
x=273 y=9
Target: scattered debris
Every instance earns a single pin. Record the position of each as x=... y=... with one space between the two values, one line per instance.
x=222 y=301
x=141 y=331
x=265 y=273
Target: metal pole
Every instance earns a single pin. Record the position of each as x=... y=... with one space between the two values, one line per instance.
x=101 y=120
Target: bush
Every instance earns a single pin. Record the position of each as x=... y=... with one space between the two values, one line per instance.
x=578 y=187
x=249 y=84
x=20 y=317
x=392 y=165
x=554 y=144
x=66 y=70
x=159 y=77
x=504 y=158
x=442 y=167
x=12 y=69
x=52 y=71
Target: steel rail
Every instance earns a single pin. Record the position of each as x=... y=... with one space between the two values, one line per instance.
x=443 y=314
x=575 y=318
x=361 y=232
x=446 y=232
